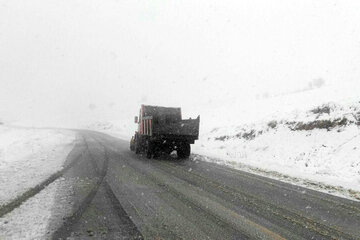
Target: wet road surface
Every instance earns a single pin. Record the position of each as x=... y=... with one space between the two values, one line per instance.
x=121 y=195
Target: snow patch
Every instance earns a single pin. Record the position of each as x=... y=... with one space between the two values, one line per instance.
x=40 y=216
x=28 y=156
x=320 y=145
x=114 y=128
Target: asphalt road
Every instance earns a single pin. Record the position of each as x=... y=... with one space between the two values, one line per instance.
x=120 y=195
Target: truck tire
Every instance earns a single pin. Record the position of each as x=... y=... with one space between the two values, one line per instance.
x=149 y=150
x=156 y=153
x=184 y=150
x=137 y=147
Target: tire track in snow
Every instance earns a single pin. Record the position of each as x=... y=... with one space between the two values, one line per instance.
x=35 y=190
x=67 y=228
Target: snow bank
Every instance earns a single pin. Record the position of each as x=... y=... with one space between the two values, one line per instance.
x=321 y=144
x=40 y=216
x=114 y=128
x=29 y=156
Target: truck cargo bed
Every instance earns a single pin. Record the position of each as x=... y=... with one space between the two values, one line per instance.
x=184 y=128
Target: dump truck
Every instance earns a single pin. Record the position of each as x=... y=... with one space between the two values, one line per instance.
x=162 y=130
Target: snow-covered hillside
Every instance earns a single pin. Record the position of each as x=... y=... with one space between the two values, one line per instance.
x=321 y=144
x=115 y=128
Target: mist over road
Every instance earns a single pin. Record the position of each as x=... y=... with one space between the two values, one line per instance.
x=123 y=195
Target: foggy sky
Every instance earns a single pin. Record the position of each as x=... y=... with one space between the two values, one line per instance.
x=58 y=57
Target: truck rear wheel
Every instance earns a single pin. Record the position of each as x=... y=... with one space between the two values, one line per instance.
x=183 y=151
x=132 y=145
x=137 y=147
x=149 y=149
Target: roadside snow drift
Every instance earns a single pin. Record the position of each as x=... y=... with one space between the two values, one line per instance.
x=117 y=128
x=40 y=215
x=321 y=144
x=29 y=156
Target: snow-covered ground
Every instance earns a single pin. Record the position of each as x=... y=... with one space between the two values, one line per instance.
x=28 y=156
x=41 y=215
x=320 y=145
x=115 y=128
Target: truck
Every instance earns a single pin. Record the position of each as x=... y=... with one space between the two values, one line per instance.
x=162 y=130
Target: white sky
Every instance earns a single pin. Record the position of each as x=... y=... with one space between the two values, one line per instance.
x=58 y=56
